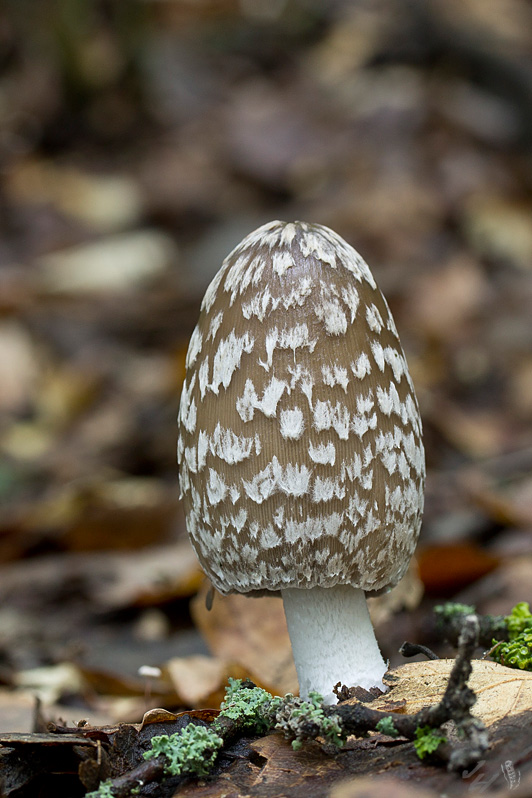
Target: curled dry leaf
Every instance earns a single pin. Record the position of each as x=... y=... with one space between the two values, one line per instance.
x=158 y=715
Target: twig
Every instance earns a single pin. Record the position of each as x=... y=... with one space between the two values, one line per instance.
x=411 y=649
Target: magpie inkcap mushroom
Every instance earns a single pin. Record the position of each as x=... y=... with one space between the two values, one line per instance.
x=300 y=445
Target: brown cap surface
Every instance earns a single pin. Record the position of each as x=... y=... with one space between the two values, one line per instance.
x=301 y=460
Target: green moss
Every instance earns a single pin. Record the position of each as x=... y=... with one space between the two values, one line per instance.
x=190 y=752
x=386 y=726
x=519 y=620
x=427 y=741
x=516 y=653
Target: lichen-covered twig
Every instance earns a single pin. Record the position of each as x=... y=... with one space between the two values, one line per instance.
x=508 y=637
x=192 y=751
x=450 y=619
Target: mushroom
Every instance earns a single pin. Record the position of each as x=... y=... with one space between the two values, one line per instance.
x=300 y=448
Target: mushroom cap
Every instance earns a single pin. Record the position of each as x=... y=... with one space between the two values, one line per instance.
x=300 y=444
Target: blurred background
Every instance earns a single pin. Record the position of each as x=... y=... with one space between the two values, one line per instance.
x=139 y=142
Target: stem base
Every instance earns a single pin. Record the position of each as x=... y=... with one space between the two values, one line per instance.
x=332 y=639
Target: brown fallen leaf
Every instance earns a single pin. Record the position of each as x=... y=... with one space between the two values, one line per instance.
x=251 y=633
x=200 y=681
x=282 y=773
x=503 y=588
x=445 y=299
x=447 y=567
x=105 y=512
x=113 y=580
x=507 y=502
x=108 y=683
x=405 y=595
x=158 y=715
x=309 y=763
x=499 y=227
x=156 y=575
x=477 y=434
x=501 y=692
x=19 y=366
x=379 y=787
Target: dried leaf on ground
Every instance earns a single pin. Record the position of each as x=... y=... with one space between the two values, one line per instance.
x=200 y=681
x=502 y=693
x=153 y=576
x=252 y=633
x=379 y=787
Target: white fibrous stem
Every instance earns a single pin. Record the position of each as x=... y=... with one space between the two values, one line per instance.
x=332 y=639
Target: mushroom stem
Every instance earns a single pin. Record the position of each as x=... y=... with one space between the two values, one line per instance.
x=332 y=639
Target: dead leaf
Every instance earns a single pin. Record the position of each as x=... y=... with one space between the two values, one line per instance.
x=109 y=683
x=379 y=787
x=201 y=681
x=501 y=692
x=158 y=715
x=116 y=264
x=499 y=591
x=156 y=575
x=444 y=300
x=285 y=769
x=106 y=202
x=447 y=567
x=19 y=367
x=477 y=434
x=508 y=502
x=499 y=227
x=49 y=683
x=105 y=511
x=252 y=633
